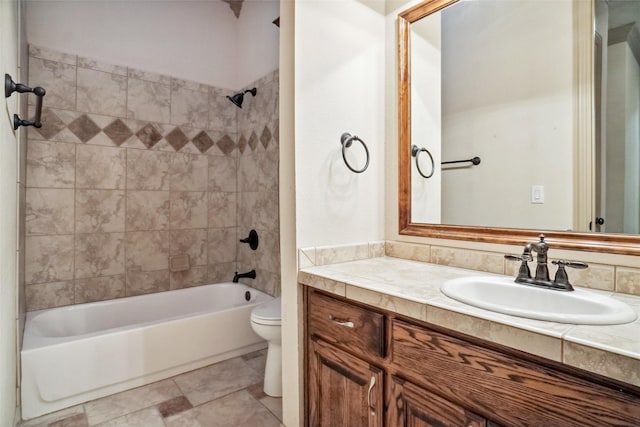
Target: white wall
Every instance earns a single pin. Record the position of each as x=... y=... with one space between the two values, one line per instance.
x=508 y=98
x=9 y=184
x=195 y=40
x=258 y=41
x=339 y=87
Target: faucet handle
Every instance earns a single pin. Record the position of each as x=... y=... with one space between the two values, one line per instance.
x=561 y=281
x=524 y=272
x=523 y=258
x=573 y=264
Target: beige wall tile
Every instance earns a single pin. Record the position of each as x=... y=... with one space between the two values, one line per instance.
x=101 y=93
x=474 y=260
x=190 y=242
x=408 y=251
x=99 y=211
x=52 y=55
x=628 y=280
x=99 y=254
x=189 y=107
x=221 y=272
x=177 y=84
x=49 y=295
x=148 y=101
x=188 y=209
x=222 y=174
x=57 y=78
x=189 y=172
x=147 y=210
x=49 y=211
x=265 y=281
x=147 y=282
x=149 y=76
x=222 y=113
x=195 y=276
x=376 y=249
x=95 y=64
x=147 y=250
x=48 y=258
x=222 y=245
x=51 y=165
x=597 y=276
x=100 y=167
x=306 y=257
x=258 y=172
x=267 y=256
x=258 y=210
x=99 y=288
x=148 y=170
x=222 y=210
x=343 y=253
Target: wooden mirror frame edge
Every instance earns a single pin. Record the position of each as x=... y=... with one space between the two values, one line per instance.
x=619 y=244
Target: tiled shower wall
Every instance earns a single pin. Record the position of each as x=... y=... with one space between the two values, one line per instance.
x=258 y=183
x=131 y=168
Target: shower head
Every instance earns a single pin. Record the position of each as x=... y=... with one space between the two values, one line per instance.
x=239 y=97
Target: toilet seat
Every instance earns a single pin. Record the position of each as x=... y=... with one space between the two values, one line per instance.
x=267 y=313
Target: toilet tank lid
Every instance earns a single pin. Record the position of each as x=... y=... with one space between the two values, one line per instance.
x=268 y=311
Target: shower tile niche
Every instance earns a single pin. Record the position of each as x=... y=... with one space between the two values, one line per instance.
x=132 y=167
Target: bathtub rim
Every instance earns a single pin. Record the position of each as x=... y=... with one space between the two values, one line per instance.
x=31 y=341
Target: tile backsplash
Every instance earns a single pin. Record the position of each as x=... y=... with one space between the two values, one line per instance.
x=604 y=277
x=132 y=167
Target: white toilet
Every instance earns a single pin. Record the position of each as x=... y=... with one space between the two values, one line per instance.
x=265 y=321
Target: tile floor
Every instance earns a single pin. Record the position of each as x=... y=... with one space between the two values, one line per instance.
x=228 y=393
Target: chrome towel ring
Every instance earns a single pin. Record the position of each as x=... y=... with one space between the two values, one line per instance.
x=415 y=152
x=346 y=140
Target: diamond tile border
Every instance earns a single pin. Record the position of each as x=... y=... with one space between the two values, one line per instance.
x=229 y=129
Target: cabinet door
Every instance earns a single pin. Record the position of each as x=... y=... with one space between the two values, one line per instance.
x=412 y=406
x=343 y=390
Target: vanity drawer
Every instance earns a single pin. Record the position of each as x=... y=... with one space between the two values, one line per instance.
x=351 y=327
x=479 y=378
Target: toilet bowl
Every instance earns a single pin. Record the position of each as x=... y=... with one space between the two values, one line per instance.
x=265 y=321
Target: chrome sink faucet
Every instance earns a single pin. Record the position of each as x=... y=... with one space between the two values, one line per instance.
x=541 y=279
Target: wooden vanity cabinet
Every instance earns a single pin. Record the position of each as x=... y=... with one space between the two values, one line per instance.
x=344 y=389
x=416 y=407
x=360 y=359
x=347 y=391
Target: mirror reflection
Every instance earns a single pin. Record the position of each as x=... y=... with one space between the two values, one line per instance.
x=495 y=79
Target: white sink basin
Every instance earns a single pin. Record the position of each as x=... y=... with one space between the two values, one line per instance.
x=503 y=295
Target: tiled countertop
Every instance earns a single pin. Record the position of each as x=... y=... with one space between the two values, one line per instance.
x=412 y=288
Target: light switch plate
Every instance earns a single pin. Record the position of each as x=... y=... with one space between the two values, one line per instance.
x=537 y=194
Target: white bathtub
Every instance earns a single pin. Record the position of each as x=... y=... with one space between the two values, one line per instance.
x=74 y=354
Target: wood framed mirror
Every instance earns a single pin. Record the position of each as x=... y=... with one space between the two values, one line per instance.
x=582 y=147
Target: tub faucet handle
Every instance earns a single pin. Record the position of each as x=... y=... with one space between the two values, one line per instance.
x=252 y=240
